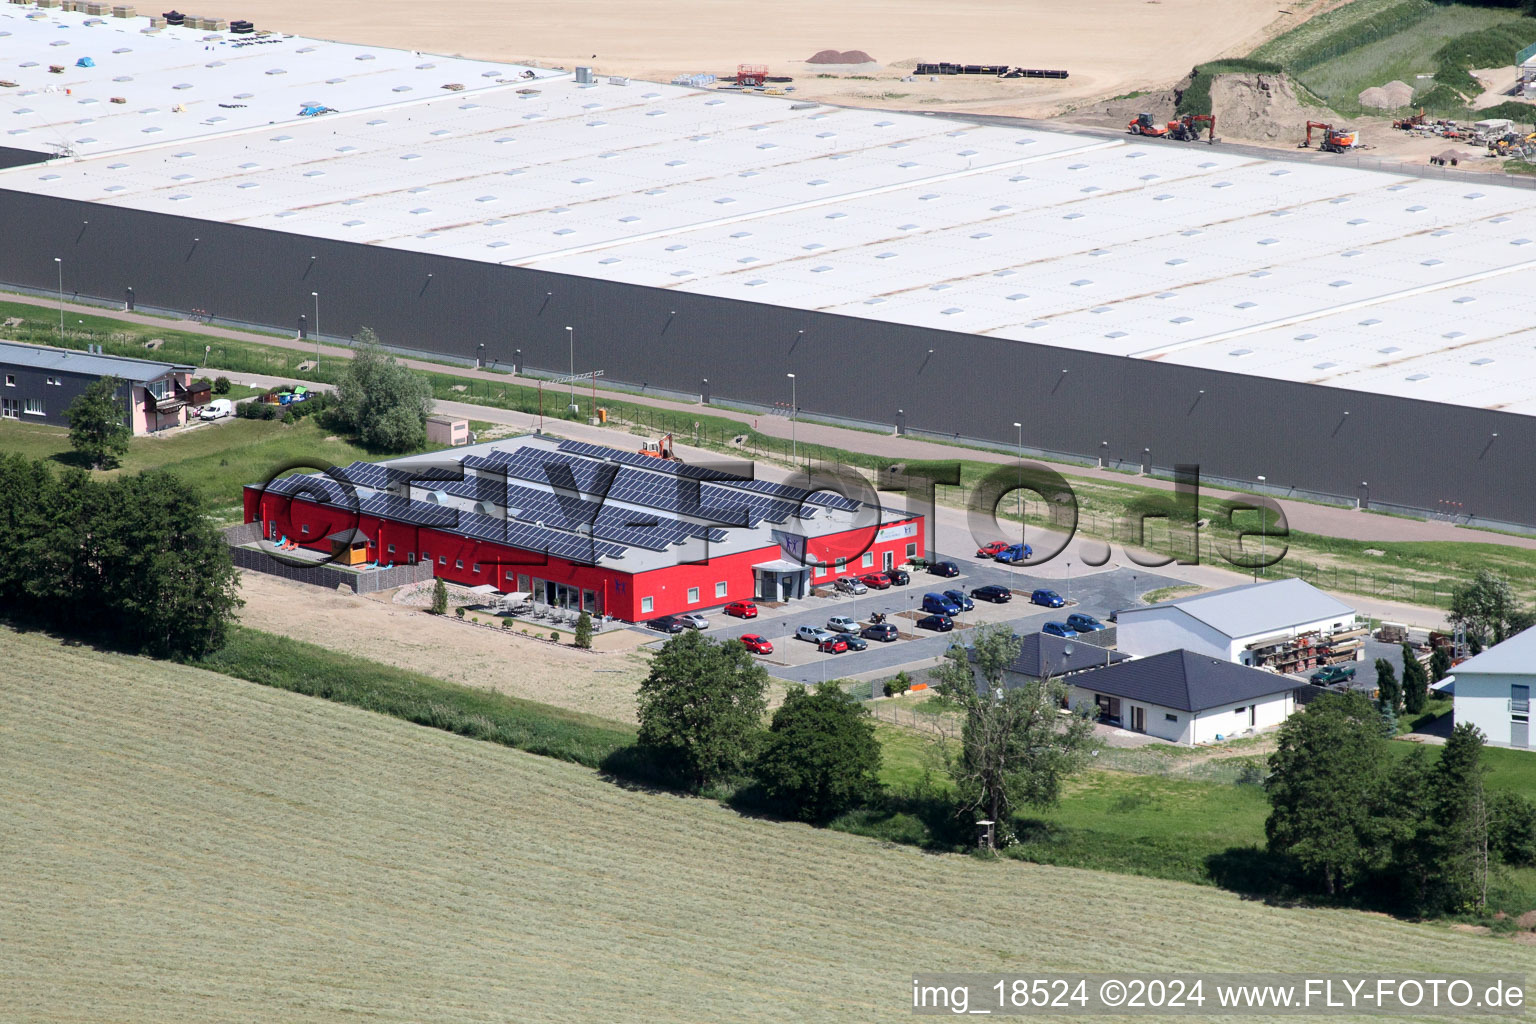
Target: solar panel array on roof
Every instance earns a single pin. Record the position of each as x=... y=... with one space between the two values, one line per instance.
x=316 y=486
x=679 y=496
x=788 y=492
x=571 y=512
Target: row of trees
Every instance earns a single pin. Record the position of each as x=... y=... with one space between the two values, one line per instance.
x=132 y=561
x=701 y=712
x=702 y=706
x=1417 y=835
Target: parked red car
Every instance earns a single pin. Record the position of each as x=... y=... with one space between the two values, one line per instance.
x=992 y=550
x=832 y=645
x=756 y=644
x=742 y=610
x=875 y=581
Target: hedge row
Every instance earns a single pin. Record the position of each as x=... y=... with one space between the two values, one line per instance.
x=1341 y=30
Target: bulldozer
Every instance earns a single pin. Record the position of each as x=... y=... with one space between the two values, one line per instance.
x=1144 y=125
x=1334 y=140
x=660 y=449
x=1186 y=128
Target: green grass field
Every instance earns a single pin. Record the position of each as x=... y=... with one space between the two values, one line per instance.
x=1400 y=57
x=180 y=846
x=218 y=459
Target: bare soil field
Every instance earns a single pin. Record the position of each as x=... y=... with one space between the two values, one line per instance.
x=1108 y=46
x=598 y=683
x=182 y=847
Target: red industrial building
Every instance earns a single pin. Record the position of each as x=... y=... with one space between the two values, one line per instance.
x=584 y=526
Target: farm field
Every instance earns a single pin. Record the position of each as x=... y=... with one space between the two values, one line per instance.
x=186 y=847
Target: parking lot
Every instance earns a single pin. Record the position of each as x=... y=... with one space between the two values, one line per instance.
x=1096 y=594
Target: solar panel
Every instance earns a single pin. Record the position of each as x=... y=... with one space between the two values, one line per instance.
x=785 y=492
x=319 y=487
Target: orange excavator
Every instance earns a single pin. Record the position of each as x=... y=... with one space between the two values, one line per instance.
x=1186 y=128
x=661 y=449
x=1334 y=140
x=1144 y=125
x=1408 y=124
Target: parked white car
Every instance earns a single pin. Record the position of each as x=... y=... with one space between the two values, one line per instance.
x=812 y=633
x=842 y=624
x=852 y=585
x=217 y=409
x=693 y=620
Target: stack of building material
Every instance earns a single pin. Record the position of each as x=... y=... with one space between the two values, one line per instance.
x=123 y=11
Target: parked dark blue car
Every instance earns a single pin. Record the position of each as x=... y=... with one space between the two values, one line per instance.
x=938 y=604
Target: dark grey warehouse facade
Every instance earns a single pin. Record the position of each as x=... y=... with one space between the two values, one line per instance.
x=1413 y=453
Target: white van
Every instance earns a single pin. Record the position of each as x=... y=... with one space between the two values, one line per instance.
x=217 y=409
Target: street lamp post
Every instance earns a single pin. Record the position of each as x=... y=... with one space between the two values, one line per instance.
x=570 y=337
x=1263 y=533
x=1020 y=427
x=60 y=262
x=316 y=297
x=1069 y=583
x=794 y=415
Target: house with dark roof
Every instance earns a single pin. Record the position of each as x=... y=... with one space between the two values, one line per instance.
x=1042 y=655
x=1186 y=698
x=1288 y=623
x=38 y=383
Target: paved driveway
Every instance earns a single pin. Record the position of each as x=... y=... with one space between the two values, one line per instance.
x=1097 y=594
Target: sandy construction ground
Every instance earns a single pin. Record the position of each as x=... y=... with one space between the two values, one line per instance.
x=1108 y=46
x=599 y=683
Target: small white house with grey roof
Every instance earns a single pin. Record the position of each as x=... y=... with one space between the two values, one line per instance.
x=1237 y=624
x=1185 y=698
x=1493 y=691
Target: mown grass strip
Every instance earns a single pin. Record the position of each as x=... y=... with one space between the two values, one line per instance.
x=271 y=660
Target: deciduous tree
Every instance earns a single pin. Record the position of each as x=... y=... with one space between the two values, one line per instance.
x=384 y=401
x=822 y=757
x=98 y=427
x=1326 y=779
x=1484 y=607
x=1015 y=749
x=701 y=708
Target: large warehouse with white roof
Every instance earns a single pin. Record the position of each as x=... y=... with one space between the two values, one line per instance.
x=1318 y=325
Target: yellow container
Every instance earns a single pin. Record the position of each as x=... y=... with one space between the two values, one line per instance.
x=602 y=415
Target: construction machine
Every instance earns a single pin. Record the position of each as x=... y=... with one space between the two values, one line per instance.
x=1144 y=125
x=1334 y=140
x=1186 y=128
x=661 y=449
x=1408 y=124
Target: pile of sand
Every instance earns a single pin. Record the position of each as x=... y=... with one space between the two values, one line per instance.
x=1263 y=108
x=841 y=57
x=1392 y=96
